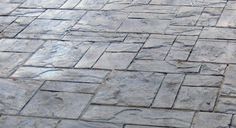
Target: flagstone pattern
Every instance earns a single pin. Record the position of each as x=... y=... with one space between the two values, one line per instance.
x=117 y=64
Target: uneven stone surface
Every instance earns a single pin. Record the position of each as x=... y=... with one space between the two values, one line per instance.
x=117 y=63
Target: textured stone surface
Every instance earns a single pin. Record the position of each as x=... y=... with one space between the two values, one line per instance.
x=196 y=98
x=211 y=120
x=59 y=54
x=228 y=87
x=166 y=95
x=129 y=88
x=218 y=33
x=78 y=75
x=203 y=80
x=227 y=19
x=226 y=105
x=15 y=94
x=9 y=62
x=42 y=3
x=158 y=117
x=57 y=104
x=7 y=8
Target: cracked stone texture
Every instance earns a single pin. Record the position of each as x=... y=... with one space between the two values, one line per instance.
x=117 y=64
x=129 y=88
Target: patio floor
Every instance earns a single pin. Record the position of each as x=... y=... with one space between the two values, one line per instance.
x=117 y=63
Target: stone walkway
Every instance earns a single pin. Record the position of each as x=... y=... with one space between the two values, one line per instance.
x=117 y=64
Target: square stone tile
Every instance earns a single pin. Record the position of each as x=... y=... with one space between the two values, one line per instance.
x=74 y=75
x=213 y=69
x=45 y=26
x=209 y=17
x=69 y=87
x=196 y=98
x=15 y=94
x=10 y=61
x=43 y=3
x=62 y=14
x=59 y=54
x=139 y=116
x=124 y=47
x=92 y=55
x=211 y=120
x=168 y=91
x=136 y=38
x=129 y=89
x=115 y=60
x=7 y=8
x=144 y=25
x=23 y=45
x=228 y=87
x=91 y=4
x=26 y=122
x=214 y=51
x=101 y=21
x=56 y=104
x=227 y=19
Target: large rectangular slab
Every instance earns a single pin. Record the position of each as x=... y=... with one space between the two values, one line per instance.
x=79 y=75
x=142 y=116
x=218 y=33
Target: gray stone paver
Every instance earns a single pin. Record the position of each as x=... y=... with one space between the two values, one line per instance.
x=117 y=63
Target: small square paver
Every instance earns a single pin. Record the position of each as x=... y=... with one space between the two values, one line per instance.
x=129 y=88
x=15 y=94
x=115 y=60
x=211 y=120
x=57 y=104
x=58 y=54
x=10 y=61
x=196 y=98
x=23 y=45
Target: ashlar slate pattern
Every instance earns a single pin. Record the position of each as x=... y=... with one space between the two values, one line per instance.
x=117 y=64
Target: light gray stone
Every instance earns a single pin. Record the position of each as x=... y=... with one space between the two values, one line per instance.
x=183 y=30
x=7 y=8
x=138 y=126
x=209 y=17
x=142 y=116
x=70 y=4
x=165 y=66
x=129 y=89
x=218 y=33
x=144 y=26
x=196 y=98
x=43 y=3
x=229 y=86
x=9 y=62
x=115 y=60
x=100 y=21
x=203 y=80
x=26 y=122
x=136 y=38
x=5 y=21
x=226 y=105
x=155 y=16
x=213 y=69
x=83 y=124
x=227 y=19
x=94 y=36
x=92 y=55
x=59 y=54
x=69 y=87
x=124 y=47
x=27 y=12
x=56 y=104
x=214 y=51
x=62 y=14
x=187 y=16
x=167 y=93
x=77 y=75
x=91 y=4
x=211 y=120
x=23 y=45
x=231 y=5
x=15 y=94
x=233 y=124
